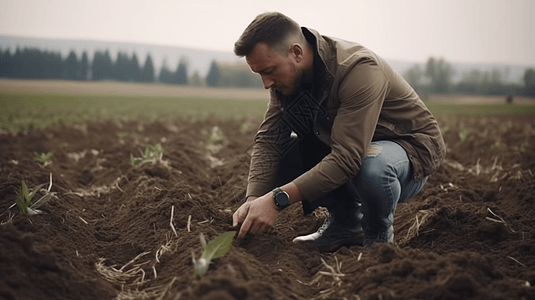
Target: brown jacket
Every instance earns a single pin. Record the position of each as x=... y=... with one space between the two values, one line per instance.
x=360 y=99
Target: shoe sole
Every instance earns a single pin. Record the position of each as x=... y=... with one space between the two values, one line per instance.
x=349 y=241
x=306 y=238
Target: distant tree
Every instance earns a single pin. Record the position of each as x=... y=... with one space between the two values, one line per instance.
x=8 y=64
x=238 y=75
x=196 y=80
x=4 y=58
x=470 y=83
x=135 y=72
x=181 y=74
x=414 y=77
x=485 y=83
x=71 y=66
x=147 y=72
x=96 y=66
x=122 y=67
x=529 y=82
x=108 y=66
x=214 y=75
x=495 y=83
x=16 y=64
x=102 y=67
x=440 y=74
x=166 y=76
x=52 y=66
x=29 y=64
x=83 y=67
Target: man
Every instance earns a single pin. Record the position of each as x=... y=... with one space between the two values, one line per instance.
x=342 y=130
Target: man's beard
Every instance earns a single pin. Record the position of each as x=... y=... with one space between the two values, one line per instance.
x=298 y=85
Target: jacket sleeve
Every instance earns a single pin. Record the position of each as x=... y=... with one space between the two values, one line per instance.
x=267 y=150
x=361 y=95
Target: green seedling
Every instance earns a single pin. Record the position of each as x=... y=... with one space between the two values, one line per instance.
x=245 y=128
x=463 y=134
x=44 y=158
x=121 y=136
x=215 y=249
x=152 y=153
x=24 y=199
x=215 y=136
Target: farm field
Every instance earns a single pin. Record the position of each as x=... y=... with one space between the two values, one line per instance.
x=115 y=231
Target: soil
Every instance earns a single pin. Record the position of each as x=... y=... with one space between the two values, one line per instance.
x=112 y=231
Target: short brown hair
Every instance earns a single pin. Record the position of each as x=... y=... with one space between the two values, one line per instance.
x=271 y=28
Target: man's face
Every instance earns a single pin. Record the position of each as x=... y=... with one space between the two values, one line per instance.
x=279 y=72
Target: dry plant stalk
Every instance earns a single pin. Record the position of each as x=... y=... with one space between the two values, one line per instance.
x=155 y=292
x=169 y=246
x=171 y=220
x=9 y=220
x=122 y=276
x=334 y=273
x=515 y=260
x=96 y=191
x=421 y=218
x=133 y=278
x=500 y=220
x=189 y=223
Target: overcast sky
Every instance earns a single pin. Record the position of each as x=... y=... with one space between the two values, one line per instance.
x=469 y=31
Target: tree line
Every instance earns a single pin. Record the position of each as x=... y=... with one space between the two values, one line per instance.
x=33 y=63
x=437 y=78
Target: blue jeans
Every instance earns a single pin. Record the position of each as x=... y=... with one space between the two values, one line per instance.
x=384 y=180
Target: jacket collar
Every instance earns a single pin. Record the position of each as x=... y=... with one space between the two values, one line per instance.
x=324 y=62
x=322 y=48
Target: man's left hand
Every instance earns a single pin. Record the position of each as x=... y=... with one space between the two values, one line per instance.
x=256 y=215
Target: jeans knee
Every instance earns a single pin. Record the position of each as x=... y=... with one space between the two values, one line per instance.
x=373 y=171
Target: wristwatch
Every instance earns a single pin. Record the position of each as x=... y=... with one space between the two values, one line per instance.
x=281 y=198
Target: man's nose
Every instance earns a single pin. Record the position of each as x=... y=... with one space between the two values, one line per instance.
x=268 y=82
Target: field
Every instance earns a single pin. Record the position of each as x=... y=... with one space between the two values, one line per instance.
x=115 y=231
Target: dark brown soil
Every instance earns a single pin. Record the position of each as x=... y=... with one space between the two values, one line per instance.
x=107 y=234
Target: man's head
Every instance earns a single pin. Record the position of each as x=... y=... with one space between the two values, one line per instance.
x=275 y=47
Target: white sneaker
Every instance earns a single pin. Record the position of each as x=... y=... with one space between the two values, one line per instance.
x=315 y=235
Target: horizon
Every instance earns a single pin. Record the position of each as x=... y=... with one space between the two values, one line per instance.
x=199 y=60
x=478 y=31
x=231 y=52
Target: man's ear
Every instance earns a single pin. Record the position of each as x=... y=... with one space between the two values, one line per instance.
x=297 y=52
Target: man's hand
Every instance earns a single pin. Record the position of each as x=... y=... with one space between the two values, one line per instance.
x=256 y=215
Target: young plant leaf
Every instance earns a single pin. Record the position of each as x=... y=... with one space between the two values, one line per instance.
x=41 y=201
x=24 y=199
x=152 y=153
x=24 y=190
x=219 y=246
x=44 y=158
x=34 y=191
x=21 y=202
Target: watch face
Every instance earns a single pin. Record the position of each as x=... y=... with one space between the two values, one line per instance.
x=282 y=200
